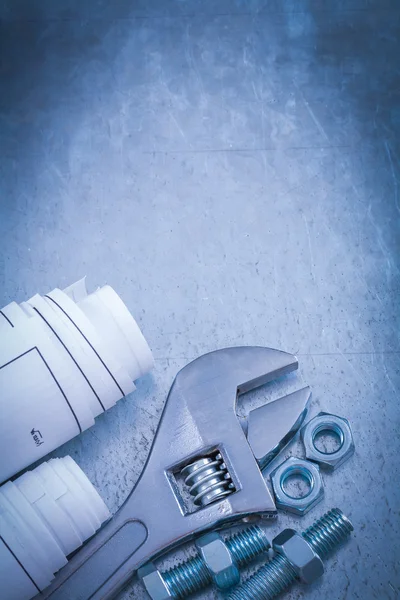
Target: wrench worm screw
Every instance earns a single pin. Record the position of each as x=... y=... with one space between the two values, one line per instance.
x=324 y=536
x=208 y=480
x=193 y=574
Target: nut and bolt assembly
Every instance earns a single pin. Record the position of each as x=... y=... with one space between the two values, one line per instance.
x=297 y=557
x=218 y=562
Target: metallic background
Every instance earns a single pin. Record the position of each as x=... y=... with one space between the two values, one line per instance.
x=232 y=169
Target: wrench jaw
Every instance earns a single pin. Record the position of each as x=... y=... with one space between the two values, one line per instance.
x=247 y=367
x=272 y=426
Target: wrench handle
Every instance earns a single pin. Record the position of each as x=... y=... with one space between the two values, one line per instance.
x=102 y=567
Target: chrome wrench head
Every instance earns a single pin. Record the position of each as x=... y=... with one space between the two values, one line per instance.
x=199 y=421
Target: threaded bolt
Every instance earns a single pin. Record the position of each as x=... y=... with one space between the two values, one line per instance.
x=269 y=581
x=275 y=577
x=193 y=575
x=246 y=545
x=187 y=578
x=328 y=532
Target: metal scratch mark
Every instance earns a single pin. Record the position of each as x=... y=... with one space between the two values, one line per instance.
x=312 y=263
x=301 y=185
x=192 y=63
x=363 y=500
x=264 y=157
x=395 y=182
x=255 y=91
x=370 y=289
x=313 y=116
x=352 y=367
x=275 y=278
x=389 y=378
x=206 y=163
x=386 y=253
x=177 y=125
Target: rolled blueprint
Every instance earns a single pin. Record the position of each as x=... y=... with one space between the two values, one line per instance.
x=45 y=515
x=65 y=358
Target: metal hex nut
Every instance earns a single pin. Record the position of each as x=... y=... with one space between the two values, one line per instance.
x=305 y=468
x=154 y=583
x=219 y=560
x=327 y=422
x=306 y=562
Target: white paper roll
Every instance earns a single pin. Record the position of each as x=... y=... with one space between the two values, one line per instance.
x=9 y=315
x=52 y=553
x=111 y=367
x=23 y=544
x=60 y=366
x=101 y=370
x=36 y=411
x=34 y=511
x=77 y=383
x=66 y=500
x=70 y=488
x=128 y=329
x=15 y=582
x=95 y=499
x=102 y=319
x=57 y=521
x=77 y=491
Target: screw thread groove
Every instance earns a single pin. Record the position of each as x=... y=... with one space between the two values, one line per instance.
x=276 y=576
x=272 y=579
x=246 y=545
x=328 y=532
x=187 y=578
x=193 y=575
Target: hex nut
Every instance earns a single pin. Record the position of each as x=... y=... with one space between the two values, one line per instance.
x=154 y=583
x=327 y=422
x=297 y=466
x=219 y=560
x=306 y=562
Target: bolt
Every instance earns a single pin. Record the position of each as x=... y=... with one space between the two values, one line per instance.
x=193 y=575
x=276 y=576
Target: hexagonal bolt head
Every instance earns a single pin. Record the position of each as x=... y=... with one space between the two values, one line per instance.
x=300 y=554
x=219 y=561
x=327 y=422
x=310 y=472
x=154 y=582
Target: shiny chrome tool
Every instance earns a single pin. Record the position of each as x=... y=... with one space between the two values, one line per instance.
x=202 y=471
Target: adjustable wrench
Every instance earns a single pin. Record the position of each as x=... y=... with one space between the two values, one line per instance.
x=198 y=420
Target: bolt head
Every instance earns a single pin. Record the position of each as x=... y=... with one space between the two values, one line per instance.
x=154 y=583
x=219 y=560
x=300 y=554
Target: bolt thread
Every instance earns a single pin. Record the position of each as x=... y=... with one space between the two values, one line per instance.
x=276 y=576
x=328 y=532
x=269 y=581
x=193 y=575
x=246 y=545
x=187 y=578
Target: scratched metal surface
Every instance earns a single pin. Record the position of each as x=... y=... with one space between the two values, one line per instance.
x=232 y=169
